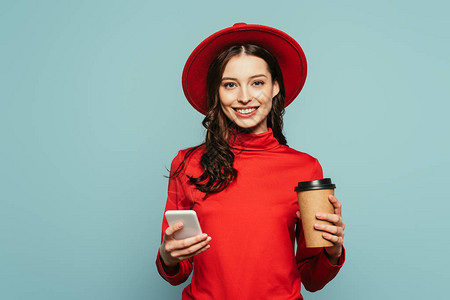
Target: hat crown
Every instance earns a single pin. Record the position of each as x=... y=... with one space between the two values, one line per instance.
x=239 y=24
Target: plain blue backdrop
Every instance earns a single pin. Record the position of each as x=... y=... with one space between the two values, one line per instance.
x=92 y=112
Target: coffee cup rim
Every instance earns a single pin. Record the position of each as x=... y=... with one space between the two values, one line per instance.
x=319 y=184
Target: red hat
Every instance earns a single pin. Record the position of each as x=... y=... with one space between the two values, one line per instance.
x=287 y=51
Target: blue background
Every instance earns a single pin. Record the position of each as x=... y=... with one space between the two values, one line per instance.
x=92 y=112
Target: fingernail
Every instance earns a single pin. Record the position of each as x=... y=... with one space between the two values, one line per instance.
x=204 y=235
x=319 y=215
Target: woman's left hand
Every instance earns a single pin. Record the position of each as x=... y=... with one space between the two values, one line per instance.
x=333 y=233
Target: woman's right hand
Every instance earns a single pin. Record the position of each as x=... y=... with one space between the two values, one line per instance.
x=173 y=251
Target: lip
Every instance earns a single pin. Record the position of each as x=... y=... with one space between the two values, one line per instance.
x=245 y=115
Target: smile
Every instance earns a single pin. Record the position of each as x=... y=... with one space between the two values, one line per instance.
x=245 y=110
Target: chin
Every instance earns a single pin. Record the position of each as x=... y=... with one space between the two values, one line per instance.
x=246 y=125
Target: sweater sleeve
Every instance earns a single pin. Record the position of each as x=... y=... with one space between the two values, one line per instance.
x=176 y=200
x=315 y=268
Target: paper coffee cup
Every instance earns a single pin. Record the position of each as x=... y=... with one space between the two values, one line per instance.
x=313 y=198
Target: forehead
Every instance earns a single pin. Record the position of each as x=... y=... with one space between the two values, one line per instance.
x=244 y=65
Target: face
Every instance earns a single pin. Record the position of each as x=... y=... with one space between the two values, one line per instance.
x=246 y=92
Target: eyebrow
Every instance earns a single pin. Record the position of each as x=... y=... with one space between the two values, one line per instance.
x=231 y=78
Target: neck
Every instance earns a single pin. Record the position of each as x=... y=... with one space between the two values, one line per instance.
x=251 y=141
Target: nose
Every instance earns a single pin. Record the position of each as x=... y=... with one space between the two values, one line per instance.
x=244 y=96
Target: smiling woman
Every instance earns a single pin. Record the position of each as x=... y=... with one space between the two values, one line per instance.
x=246 y=77
x=243 y=173
x=246 y=92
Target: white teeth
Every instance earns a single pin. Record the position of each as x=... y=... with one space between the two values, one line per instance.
x=245 y=111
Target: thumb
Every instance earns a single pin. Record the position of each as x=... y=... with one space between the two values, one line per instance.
x=171 y=230
x=298 y=214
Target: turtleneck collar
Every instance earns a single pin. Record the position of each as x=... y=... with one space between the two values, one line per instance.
x=248 y=141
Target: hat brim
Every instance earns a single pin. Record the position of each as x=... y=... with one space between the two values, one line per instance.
x=287 y=51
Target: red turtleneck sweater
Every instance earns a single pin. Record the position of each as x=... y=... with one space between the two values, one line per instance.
x=253 y=225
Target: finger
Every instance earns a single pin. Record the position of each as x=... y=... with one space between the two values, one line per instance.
x=335 y=230
x=196 y=253
x=193 y=250
x=186 y=243
x=333 y=218
x=337 y=205
x=337 y=240
x=168 y=234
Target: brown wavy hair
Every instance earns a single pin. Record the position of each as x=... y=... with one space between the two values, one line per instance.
x=217 y=160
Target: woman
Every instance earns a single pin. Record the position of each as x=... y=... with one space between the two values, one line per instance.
x=241 y=180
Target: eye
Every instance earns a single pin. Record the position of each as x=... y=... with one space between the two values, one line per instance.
x=258 y=83
x=229 y=85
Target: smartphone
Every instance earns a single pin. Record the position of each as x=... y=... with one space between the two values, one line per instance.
x=188 y=218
